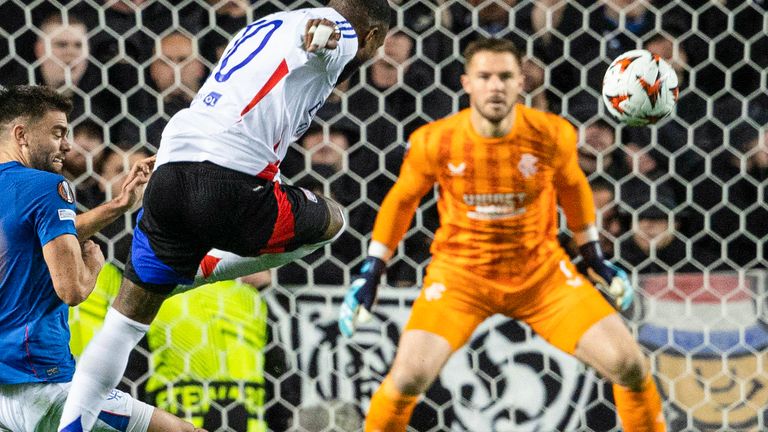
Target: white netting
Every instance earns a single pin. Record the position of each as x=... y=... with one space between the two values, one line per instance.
x=682 y=205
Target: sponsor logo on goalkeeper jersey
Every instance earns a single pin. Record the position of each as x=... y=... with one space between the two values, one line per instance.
x=457 y=169
x=495 y=206
x=527 y=165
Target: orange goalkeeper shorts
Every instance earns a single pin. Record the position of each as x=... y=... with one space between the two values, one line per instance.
x=560 y=308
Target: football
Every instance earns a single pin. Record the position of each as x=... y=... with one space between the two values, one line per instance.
x=640 y=88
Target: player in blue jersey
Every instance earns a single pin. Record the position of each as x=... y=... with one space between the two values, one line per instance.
x=47 y=265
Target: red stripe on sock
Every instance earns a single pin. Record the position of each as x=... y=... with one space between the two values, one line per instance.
x=208 y=265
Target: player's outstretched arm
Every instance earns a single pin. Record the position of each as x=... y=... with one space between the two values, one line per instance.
x=607 y=277
x=92 y=221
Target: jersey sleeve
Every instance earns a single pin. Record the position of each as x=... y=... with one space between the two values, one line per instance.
x=573 y=190
x=417 y=176
x=53 y=209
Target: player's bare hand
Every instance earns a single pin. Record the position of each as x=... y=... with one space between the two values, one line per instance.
x=92 y=256
x=321 y=34
x=132 y=189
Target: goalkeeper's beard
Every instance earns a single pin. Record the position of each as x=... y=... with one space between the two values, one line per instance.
x=493 y=116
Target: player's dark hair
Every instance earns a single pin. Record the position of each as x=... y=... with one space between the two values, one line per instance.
x=32 y=102
x=358 y=12
x=493 y=45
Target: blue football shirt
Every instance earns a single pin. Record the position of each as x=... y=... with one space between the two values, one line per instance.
x=35 y=208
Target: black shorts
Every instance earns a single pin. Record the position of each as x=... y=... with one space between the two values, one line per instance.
x=193 y=207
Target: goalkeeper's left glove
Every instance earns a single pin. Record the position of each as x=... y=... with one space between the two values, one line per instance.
x=607 y=277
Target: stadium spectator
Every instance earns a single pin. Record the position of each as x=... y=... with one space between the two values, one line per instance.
x=616 y=26
x=508 y=19
x=385 y=77
x=394 y=81
x=728 y=192
x=533 y=86
x=80 y=163
x=87 y=143
x=63 y=53
x=655 y=246
x=671 y=134
x=175 y=76
x=122 y=36
x=492 y=253
x=46 y=270
x=229 y=17
x=599 y=153
x=223 y=162
x=176 y=70
x=323 y=162
x=608 y=219
x=127 y=30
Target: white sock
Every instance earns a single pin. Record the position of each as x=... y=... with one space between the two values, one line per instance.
x=231 y=266
x=228 y=266
x=100 y=368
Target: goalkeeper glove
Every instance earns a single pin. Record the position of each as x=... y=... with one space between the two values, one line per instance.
x=361 y=295
x=607 y=277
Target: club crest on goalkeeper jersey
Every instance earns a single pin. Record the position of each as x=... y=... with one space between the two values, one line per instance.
x=34 y=336
x=260 y=97
x=497 y=196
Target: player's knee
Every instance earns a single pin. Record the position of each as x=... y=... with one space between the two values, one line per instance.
x=337 y=221
x=412 y=382
x=627 y=367
x=413 y=377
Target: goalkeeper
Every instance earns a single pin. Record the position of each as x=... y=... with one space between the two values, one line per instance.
x=501 y=167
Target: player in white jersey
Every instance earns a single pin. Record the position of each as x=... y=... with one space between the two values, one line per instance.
x=216 y=182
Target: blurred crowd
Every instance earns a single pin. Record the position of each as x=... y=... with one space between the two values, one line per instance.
x=688 y=195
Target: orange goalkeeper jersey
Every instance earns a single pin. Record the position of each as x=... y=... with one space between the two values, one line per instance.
x=497 y=196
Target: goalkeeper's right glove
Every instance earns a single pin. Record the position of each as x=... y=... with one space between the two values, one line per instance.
x=361 y=295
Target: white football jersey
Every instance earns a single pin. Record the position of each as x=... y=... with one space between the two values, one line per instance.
x=260 y=97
